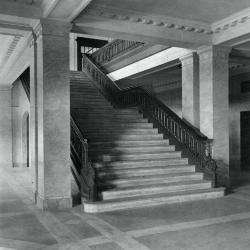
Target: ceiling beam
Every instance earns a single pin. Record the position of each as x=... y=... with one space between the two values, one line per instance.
x=66 y=10
x=13 y=8
x=140 y=32
x=232 y=30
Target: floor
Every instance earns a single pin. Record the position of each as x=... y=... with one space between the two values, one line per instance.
x=210 y=224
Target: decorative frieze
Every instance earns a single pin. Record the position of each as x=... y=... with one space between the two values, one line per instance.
x=10 y=50
x=160 y=21
x=232 y=21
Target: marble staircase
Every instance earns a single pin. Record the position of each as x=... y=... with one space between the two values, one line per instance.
x=135 y=166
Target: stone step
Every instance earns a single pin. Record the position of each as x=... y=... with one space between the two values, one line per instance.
x=137 y=191
x=118 y=131
x=138 y=156
x=129 y=137
x=162 y=163
x=119 y=111
x=132 y=150
x=90 y=116
x=145 y=180
x=110 y=120
x=122 y=143
x=152 y=200
x=79 y=94
x=96 y=127
x=74 y=105
x=142 y=171
x=83 y=101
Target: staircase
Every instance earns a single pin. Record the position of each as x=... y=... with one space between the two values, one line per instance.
x=135 y=166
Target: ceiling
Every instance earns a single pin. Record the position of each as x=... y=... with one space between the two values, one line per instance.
x=198 y=10
x=29 y=2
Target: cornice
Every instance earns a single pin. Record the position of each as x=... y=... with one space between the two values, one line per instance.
x=232 y=21
x=10 y=50
x=147 y=19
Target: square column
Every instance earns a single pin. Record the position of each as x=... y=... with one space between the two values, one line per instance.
x=214 y=104
x=53 y=115
x=73 y=51
x=5 y=127
x=190 y=89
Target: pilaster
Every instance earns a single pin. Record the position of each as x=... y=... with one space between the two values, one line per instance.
x=53 y=115
x=190 y=88
x=5 y=126
x=214 y=103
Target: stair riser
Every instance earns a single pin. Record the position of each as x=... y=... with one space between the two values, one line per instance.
x=108 y=158
x=119 y=127
x=100 y=208
x=117 y=132
x=130 y=183
x=127 y=137
x=130 y=143
x=143 y=164
x=124 y=174
x=133 y=193
x=97 y=112
x=132 y=150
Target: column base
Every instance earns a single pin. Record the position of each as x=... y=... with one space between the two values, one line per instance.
x=53 y=203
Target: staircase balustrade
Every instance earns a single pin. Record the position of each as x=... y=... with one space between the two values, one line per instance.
x=82 y=168
x=191 y=141
x=112 y=49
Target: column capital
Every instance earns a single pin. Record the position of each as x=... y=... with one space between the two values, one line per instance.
x=189 y=58
x=52 y=28
x=214 y=51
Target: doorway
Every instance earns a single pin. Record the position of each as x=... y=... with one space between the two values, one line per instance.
x=245 y=140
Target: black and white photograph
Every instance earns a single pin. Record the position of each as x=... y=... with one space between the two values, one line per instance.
x=124 y=124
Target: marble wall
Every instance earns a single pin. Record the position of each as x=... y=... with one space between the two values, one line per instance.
x=5 y=127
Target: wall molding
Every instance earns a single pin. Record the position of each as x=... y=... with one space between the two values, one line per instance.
x=10 y=50
x=232 y=21
x=147 y=19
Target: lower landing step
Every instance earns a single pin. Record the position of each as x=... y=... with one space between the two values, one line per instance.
x=152 y=200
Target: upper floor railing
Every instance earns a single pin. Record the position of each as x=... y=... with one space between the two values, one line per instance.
x=113 y=49
x=194 y=143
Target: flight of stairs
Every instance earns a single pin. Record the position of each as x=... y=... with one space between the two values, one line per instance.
x=135 y=165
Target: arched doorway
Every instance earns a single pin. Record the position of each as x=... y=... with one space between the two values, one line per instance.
x=25 y=139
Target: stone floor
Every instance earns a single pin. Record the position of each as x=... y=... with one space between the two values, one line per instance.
x=211 y=224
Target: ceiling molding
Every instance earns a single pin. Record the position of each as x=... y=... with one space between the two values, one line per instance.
x=10 y=50
x=147 y=19
x=232 y=21
x=78 y=10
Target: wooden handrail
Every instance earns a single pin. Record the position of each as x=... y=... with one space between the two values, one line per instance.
x=194 y=143
x=113 y=49
x=82 y=168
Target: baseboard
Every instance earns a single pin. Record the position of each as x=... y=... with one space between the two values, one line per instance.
x=57 y=203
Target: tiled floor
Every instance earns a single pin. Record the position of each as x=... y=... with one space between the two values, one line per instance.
x=222 y=224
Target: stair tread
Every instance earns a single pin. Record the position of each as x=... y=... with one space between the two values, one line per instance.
x=161 y=176
x=168 y=177
x=155 y=196
x=160 y=185
x=134 y=170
